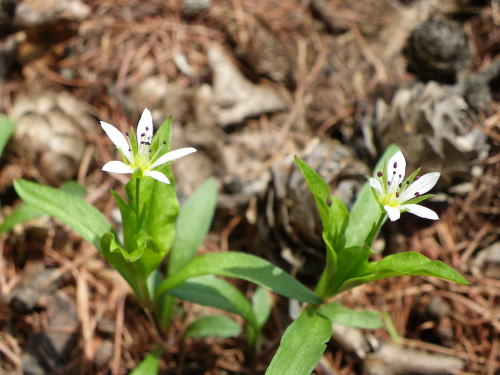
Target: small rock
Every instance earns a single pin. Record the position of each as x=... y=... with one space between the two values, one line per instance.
x=487 y=262
x=104 y=354
x=35 y=284
x=51 y=349
x=192 y=8
x=438 y=308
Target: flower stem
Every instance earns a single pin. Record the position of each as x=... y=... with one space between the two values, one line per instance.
x=376 y=229
x=137 y=189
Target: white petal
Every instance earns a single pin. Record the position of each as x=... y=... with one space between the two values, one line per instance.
x=421 y=186
x=118 y=139
x=420 y=211
x=173 y=155
x=374 y=183
x=396 y=168
x=158 y=176
x=393 y=212
x=117 y=167
x=145 y=126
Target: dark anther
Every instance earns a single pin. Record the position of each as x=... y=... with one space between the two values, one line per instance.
x=126 y=133
x=395 y=165
x=394 y=172
x=164 y=142
x=417 y=194
x=388 y=182
x=129 y=149
x=407 y=182
x=399 y=176
x=147 y=128
x=397 y=195
x=399 y=185
x=379 y=174
x=143 y=134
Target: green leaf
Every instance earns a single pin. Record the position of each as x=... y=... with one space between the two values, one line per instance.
x=213 y=325
x=150 y=365
x=193 y=224
x=366 y=212
x=352 y=261
x=74 y=188
x=6 y=130
x=73 y=211
x=20 y=214
x=112 y=252
x=25 y=212
x=407 y=263
x=302 y=345
x=261 y=305
x=211 y=291
x=243 y=266
x=338 y=313
x=319 y=189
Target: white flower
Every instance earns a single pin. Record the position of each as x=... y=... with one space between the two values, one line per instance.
x=397 y=195
x=138 y=158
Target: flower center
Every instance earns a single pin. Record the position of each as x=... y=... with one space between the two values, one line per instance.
x=390 y=199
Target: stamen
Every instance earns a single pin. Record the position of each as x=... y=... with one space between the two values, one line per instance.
x=126 y=133
x=388 y=182
x=395 y=165
x=397 y=194
x=165 y=142
x=399 y=185
x=417 y=194
x=147 y=128
x=143 y=134
x=379 y=174
x=394 y=172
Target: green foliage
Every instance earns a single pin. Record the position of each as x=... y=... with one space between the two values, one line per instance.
x=338 y=313
x=73 y=211
x=401 y=264
x=211 y=291
x=261 y=306
x=302 y=345
x=21 y=214
x=213 y=325
x=150 y=365
x=245 y=267
x=6 y=129
x=192 y=225
x=26 y=212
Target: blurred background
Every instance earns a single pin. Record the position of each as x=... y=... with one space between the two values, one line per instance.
x=250 y=84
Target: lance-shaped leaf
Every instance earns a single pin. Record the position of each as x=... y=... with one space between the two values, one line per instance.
x=338 y=313
x=302 y=345
x=6 y=130
x=401 y=264
x=150 y=365
x=72 y=210
x=192 y=225
x=213 y=325
x=211 y=291
x=242 y=266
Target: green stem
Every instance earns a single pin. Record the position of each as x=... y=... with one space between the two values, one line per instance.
x=137 y=190
x=376 y=229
